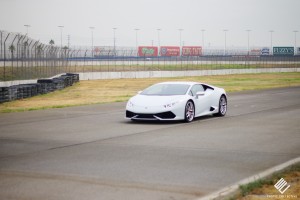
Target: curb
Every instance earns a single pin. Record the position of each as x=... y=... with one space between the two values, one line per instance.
x=230 y=190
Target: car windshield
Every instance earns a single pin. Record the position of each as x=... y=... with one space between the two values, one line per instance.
x=166 y=89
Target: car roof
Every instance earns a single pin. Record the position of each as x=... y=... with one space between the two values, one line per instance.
x=180 y=82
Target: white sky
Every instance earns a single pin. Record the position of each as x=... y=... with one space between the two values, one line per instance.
x=261 y=16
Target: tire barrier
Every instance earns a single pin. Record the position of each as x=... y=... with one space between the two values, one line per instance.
x=43 y=86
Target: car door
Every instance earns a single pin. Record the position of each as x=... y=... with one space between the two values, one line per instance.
x=201 y=101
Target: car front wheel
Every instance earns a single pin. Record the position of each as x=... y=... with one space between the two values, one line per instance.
x=189 y=111
x=222 y=106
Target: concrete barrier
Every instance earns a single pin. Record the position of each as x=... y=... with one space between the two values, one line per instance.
x=161 y=74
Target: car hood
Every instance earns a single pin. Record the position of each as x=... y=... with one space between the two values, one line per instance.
x=148 y=100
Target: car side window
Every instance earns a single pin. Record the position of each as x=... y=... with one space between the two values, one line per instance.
x=196 y=88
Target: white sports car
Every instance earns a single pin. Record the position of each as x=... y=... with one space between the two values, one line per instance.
x=177 y=101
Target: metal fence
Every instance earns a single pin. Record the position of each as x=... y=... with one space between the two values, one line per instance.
x=24 y=58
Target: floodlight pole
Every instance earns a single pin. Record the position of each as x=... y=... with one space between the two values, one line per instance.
x=271 y=35
x=225 y=31
x=136 y=39
x=61 y=30
x=248 y=35
x=158 y=37
x=27 y=27
x=92 y=31
x=114 y=29
x=203 y=30
x=295 y=42
x=180 y=43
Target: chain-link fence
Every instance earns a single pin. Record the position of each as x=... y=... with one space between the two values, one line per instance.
x=24 y=58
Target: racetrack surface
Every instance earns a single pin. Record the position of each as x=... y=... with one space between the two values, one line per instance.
x=92 y=152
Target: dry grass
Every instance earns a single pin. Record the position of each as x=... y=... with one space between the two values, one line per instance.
x=103 y=91
x=268 y=191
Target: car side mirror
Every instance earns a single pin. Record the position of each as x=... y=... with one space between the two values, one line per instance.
x=198 y=94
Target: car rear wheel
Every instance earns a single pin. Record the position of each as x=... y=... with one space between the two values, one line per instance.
x=222 y=106
x=189 y=111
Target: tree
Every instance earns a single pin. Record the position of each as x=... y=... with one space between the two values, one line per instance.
x=12 y=48
x=51 y=42
x=39 y=50
x=25 y=44
x=65 y=48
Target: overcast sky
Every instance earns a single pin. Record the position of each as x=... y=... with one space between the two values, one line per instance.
x=260 y=16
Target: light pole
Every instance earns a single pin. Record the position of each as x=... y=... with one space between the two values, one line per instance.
x=271 y=35
x=114 y=29
x=27 y=27
x=1 y=32
x=136 y=40
x=158 y=38
x=248 y=35
x=92 y=31
x=61 y=30
x=225 y=31
x=295 y=51
x=203 y=30
x=180 y=30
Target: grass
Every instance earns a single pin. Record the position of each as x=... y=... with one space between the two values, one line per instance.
x=119 y=90
x=264 y=188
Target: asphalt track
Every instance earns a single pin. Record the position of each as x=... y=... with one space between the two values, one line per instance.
x=92 y=152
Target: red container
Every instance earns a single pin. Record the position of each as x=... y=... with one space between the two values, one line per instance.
x=147 y=51
x=191 y=51
x=169 y=51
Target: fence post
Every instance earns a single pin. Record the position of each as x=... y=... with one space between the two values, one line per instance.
x=23 y=52
x=33 y=58
x=4 y=72
x=18 y=52
x=1 y=32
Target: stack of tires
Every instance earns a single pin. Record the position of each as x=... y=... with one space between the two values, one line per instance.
x=4 y=94
x=75 y=77
x=43 y=86
x=47 y=85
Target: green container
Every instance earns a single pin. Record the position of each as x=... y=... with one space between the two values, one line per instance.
x=283 y=51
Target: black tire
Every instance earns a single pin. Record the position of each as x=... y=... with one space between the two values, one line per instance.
x=222 y=106
x=189 y=112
